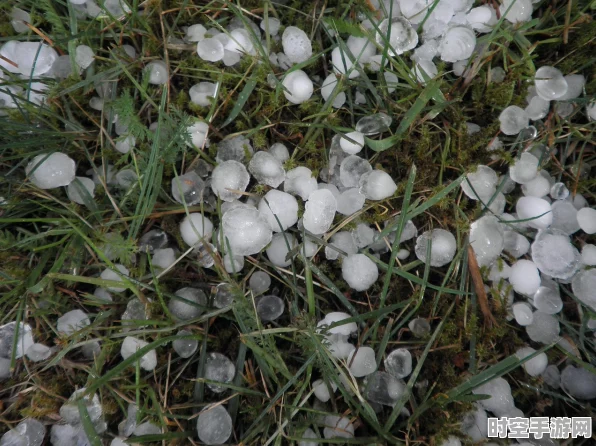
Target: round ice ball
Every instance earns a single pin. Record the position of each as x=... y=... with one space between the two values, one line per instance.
x=536 y=211
x=195 y=228
x=458 y=44
x=443 y=247
x=377 y=185
x=229 y=179
x=359 y=272
x=279 y=208
x=210 y=49
x=352 y=142
x=214 y=425
x=80 y=190
x=203 y=93
x=298 y=87
x=513 y=120
x=586 y=218
x=516 y=11
x=524 y=277
x=246 y=230
x=296 y=44
x=550 y=83
x=157 y=71
x=50 y=171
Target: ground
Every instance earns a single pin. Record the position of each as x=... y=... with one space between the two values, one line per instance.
x=52 y=250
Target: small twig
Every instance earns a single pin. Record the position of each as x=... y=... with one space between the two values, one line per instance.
x=489 y=319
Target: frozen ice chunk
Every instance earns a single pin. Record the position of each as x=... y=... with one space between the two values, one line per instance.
x=246 y=230
x=475 y=424
x=195 y=228
x=537 y=187
x=516 y=244
x=377 y=185
x=33 y=58
x=298 y=87
x=147 y=428
x=398 y=35
x=224 y=295
x=163 y=258
x=589 y=254
x=442 y=245
x=153 y=239
x=424 y=70
x=331 y=322
x=548 y=299
x=583 y=286
x=537 y=108
x=233 y=264
x=524 y=277
x=259 y=282
x=4 y=368
x=210 y=49
x=340 y=243
x=536 y=211
x=513 y=120
x=362 y=362
x=516 y=11
x=383 y=388
x=279 y=151
x=157 y=71
x=554 y=255
x=359 y=272
x=321 y=390
x=351 y=170
x=229 y=179
x=24 y=341
x=319 y=211
x=189 y=303
x=363 y=235
x=373 y=124
x=482 y=19
x=522 y=312
x=299 y=181
x=329 y=84
x=550 y=83
x=84 y=56
x=72 y=321
x=131 y=345
x=128 y=425
x=279 y=209
x=579 y=382
x=458 y=43
x=70 y=410
x=267 y=169
x=343 y=63
x=185 y=348
x=499 y=390
x=203 y=93
x=481 y=184
x=399 y=363
x=188 y=189
x=338 y=427
x=79 y=189
x=350 y=201
x=352 y=142
x=296 y=44
x=38 y=352
x=270 y=25
x=235 y=149
x=552 y=376
x=219 y=368
x=559 y=191
x=308 y=434
x=586 y=218
x=195 y=33
x=198 y=135
x=48 y=172
x=575 y=86
x=126 y=178
x=18 y=17
x=544 y=328
x=269 y=308
x=28 y=432
x=419 y=327
x=534 y=366
x=280 y=246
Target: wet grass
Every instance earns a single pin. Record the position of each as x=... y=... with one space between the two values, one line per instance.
x=52 y=251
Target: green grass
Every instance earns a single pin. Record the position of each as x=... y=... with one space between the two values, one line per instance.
x=52 y=250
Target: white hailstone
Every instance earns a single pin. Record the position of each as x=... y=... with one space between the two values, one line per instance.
x=377 y=185
x=482 y=19
x=343 y=63
x=299 y=181
x=555 y=256
x=522 y=312
x=516 y=11
x=391 y=80
x=457 y=44
x=513 y=120
x=198 y=134
x=195 y=228
x=48 y=172
x=116 y=8
x=229 y=180
x=548 y=300
x=298 y=87
x=210 y=49
x=399 y=363
x=185 y=348
x=25 y=340
x=424 y=70
x=374 y=124
x=397 y=34
x=309 y=247
x=559 y=191
x=361 y=48
x=296 y=44
x=233 y=264
x=524 y=277
x=270 y=25
x=259 y=282
x=18 y=17
x=219 y=368
x=277 y=251
x=352 y=142
x=32 y=58
x=586 y=218
x=279 y=208
x=321 y=390
x=319 y=212
x=124 y=144
x=583 y=285
x=591 y=111
x=350 y=201
x=534 y=366
x=454 y=441
x=383 y=388
x=340 y=243
x=501 y=399
x=544 y=328
x=188 y=189
x=163 y=258
x=486 y=238
x=38 y=352
x=239 y=42
x=550 y=83
x=359 y=272
x=337 y=427
x=363 y=235
x=131 y=345
x=442 y=244
x=279 y=151
x=537 y=108
x=114 y=276
x=157 y=71
x=72 y=321
x=579 y=201
x=246 y=230
x=80 y=190
x=214 y=425
x=84 y=56
x=351 y=170
x=266 y=169
x=475 y=424
x=552 y=376
x=481 y=184
x=362 y=362
x=335 y=317
x=580 y=383
x=589 y=255
x=203 y=93
x=327 y=87
x=189 y=305
x=536 y=211
x=537 y=187
x=269 y=308
x=516 y=244
x=339 y=347
x=96 y=103
x=195 y=33
x=427 y=51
